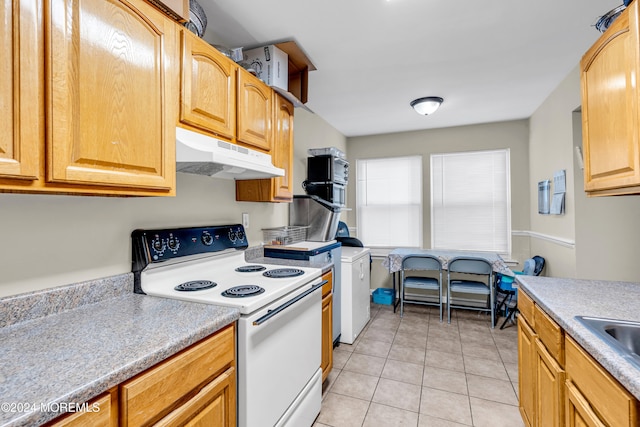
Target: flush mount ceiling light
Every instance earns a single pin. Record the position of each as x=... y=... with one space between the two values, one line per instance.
x=427 y=105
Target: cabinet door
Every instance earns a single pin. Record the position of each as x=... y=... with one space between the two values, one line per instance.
x=101 y=412
x=282 y=152
x=327 y=340
x=278 y=189
x=549 y=398
x=112 y=86
x=614 y=405
x=526 y=371
x=254 y=111
x=327 y=326
x=21 y=89
x=214 y=405
x=161 y=390
x=208 y=99
x=610 y=107
x=579 y=413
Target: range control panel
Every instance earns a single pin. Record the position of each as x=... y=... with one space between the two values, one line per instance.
x=152 y=246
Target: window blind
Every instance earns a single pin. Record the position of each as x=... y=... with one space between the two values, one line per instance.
x=471 y=201
x=389 y=201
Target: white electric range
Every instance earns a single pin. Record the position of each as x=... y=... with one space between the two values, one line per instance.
x=279 y=330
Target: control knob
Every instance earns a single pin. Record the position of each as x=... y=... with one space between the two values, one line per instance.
x=207 y=238
x=173 y=243
x=157 y=244
x=240 y=234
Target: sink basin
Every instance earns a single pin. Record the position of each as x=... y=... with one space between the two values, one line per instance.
x=622 y=335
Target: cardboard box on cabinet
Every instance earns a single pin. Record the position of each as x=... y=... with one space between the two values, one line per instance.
x=271 y=65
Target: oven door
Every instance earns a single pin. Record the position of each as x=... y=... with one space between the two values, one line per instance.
x=279 y=350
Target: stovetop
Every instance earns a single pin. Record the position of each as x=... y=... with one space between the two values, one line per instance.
x=204 y=256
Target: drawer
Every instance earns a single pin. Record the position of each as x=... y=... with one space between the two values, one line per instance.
x=154 y=393
x=525 y=306
x=102 y=412
x=550 y=333
x=608 y=399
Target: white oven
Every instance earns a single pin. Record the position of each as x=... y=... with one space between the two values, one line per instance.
x=279 y=380
x=281 y=357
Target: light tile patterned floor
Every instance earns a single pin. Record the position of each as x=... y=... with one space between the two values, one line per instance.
x=416 y=371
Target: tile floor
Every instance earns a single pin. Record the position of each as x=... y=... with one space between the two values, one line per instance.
x=416 y=371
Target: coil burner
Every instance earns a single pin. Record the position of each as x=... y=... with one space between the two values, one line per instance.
x=250 y=268
x=280 y=273
x=195 y=285
x=243 y=291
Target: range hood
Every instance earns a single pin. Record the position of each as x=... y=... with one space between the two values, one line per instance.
x=204 y=155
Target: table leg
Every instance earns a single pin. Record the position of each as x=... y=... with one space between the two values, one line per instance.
x=396 y=301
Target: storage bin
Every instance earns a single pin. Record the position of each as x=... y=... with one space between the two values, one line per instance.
x=383 y=296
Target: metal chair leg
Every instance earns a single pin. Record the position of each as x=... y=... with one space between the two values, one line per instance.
x=511 y=316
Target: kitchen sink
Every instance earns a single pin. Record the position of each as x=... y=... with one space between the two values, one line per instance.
x=621 y=335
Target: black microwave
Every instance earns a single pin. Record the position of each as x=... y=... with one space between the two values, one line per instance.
x=327 y=169
x=331 y=192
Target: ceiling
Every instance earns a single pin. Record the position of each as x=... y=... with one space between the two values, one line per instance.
x=491 y=60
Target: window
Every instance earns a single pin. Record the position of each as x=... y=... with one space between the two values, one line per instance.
x=389 y=201
x=471 y=201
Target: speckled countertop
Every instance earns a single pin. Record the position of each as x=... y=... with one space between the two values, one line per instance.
x=563 y=299
x=72 y=343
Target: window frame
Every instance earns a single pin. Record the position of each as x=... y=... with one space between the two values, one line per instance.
x=419 y=162
x=507 y=201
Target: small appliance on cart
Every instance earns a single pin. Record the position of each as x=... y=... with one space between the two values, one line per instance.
x=279 y=330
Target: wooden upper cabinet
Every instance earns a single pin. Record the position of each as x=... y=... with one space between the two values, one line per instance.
x=21 y=89
x=282 y=153
x=610 y=122
x=112 y=77
x=280 y=188
x=254 y=112
x=208 y=95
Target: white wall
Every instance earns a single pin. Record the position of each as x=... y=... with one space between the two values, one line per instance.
x=551 y=149
x=607 y=243
x=604 y=229
x=513 y=135
x=51 y=240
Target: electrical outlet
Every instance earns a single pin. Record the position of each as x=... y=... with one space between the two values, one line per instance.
x=245 y=220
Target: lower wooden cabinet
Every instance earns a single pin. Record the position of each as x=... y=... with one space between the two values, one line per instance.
x=549 y=389
x=526 y=372
x=196 y=387
x=560 y=384
x=100 y=412
x=327 y=326
x=579 y=412
x=594 y=397
x=541 y=375
x=214 y=405
x=183 y=386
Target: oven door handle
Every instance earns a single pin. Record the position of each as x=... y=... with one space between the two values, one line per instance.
x=287 y=304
